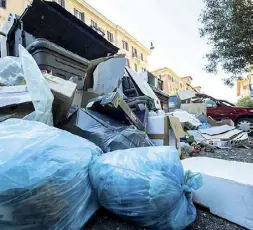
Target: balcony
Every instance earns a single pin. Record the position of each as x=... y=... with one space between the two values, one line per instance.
x=98 y=30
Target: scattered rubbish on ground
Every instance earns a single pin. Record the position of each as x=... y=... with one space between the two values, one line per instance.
x=126 y=181
x=110 y=120
x=227 y=188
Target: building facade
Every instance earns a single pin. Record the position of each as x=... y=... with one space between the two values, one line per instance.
x=173 y=83
x=136 y=53
x=242 y=86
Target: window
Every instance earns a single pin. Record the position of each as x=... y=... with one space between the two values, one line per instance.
x=110 y=36
x=142 y=58
x=60 y=2
x=127 y=63
x=169 y=77
x=125 y=45
x=94 y=24
x=79 y=15
x=181 y=86
x=135 y=67
x=3 y=4
x=134 y=52
x=143 y=69
x=210 y=103
x=172 y=79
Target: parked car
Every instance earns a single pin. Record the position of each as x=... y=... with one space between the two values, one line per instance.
x=219 y=110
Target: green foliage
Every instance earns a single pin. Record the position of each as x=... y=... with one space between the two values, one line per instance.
x=245 y=102
x=227 y=26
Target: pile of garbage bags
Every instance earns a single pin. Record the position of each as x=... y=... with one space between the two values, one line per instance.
x=44 y=181
x=54 y=179
x=146 y=186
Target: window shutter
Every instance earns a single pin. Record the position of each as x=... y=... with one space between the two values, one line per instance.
x=3 y=3
x=63 y=3
x=82 y=17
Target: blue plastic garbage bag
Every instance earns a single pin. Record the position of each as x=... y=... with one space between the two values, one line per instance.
x=146 y=186
x=44 y=182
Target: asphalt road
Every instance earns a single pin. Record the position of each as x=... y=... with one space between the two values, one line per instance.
x=103 y=220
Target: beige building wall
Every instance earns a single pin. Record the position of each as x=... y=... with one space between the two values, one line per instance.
x=15 y=6
x=242 y=86
x=103 y=25
x=173 y=83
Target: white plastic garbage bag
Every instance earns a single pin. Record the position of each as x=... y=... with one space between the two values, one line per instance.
x=11 y=72
x=38 y=88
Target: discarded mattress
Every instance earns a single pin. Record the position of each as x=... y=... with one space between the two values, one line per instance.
x=146 y=186
x=44 y=180
x=105 y=132
x=227 y=188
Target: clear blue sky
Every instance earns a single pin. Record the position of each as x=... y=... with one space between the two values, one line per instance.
x=173 y=27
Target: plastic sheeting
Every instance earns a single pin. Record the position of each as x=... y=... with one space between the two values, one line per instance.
x=107 y=133
x=16 y=71
x=146 y=186
x=44 y=183
x=38 y=88
x=11 y=72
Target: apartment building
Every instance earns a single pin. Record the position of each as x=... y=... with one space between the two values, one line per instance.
x=136 y=53
x=242 y=86
x=173 y=83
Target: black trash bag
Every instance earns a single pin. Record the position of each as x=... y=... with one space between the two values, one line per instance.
x=107 y=133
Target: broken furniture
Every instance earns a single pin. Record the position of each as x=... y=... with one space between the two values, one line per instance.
x=227 y=188
x=114 y=106
x=105 y=132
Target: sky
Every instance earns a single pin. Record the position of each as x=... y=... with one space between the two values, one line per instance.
x=172 y=25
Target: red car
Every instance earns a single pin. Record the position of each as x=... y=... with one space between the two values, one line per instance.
x=221 y=109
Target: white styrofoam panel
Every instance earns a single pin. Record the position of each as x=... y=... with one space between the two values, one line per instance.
x=155 y=124
x=227 y=188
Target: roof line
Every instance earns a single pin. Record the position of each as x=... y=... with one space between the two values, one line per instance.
x=112 y=24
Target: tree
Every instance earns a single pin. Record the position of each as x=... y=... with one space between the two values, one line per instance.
x=227 y=26
x=245 y=102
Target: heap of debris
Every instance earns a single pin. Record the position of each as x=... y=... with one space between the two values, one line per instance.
x=91 y=132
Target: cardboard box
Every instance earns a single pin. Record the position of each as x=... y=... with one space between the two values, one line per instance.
x=227 y=188
x=165 y=131
x=63 y=92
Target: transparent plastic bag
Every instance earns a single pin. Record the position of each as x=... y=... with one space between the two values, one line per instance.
x=11 y=72
x=38 y=88
x=44 y=182
x=146 y=186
